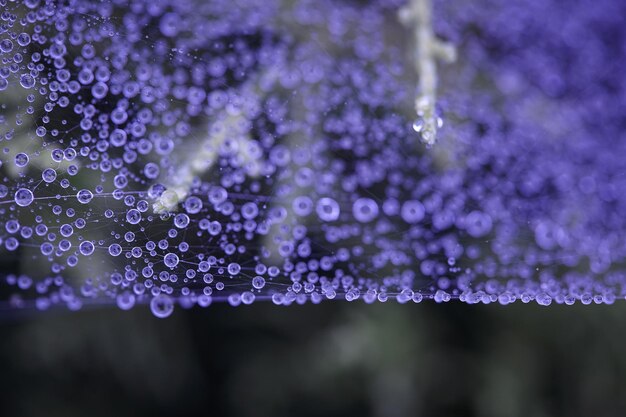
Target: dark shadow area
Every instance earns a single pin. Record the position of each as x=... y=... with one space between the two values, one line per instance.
x=335 y=359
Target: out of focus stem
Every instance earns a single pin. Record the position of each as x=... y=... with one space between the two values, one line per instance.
x=417 y=14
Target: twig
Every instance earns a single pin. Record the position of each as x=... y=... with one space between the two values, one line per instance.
x=418 y=15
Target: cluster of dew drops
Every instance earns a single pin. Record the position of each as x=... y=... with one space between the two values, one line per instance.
x=181 y=153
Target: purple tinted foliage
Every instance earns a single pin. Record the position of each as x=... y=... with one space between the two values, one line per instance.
x=184 y=152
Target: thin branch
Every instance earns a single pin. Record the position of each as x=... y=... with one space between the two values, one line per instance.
x=418 y=15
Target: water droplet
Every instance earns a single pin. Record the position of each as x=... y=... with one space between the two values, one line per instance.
x=162 y=306
x=23 y=197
